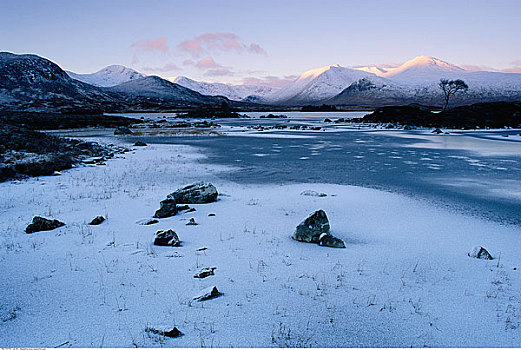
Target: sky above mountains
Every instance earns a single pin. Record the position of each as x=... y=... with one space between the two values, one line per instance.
x=260 y=42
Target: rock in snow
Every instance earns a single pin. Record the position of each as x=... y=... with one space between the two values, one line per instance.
x=312 y=193
x=168 y=207
x=122 y=130
x=43 y=224
x=197 y=193
x=315 y=229
x=140 y=143
x=147 y=222
x=167 y=238
x=328 y=240
x=97 y=220
x=191 y=222
x=165 y=331
x=207 y=294
x=205 y=272
x=312 y=227
x=479 y=252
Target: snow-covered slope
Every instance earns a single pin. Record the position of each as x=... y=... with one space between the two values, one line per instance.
x=423 y=69
x=233 y=92
x=156 y=87
x=318 y=84
x=108 y=76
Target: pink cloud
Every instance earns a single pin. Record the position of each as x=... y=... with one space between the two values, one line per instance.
x=169 y=67
x=516 y=68
x=158 y=44
x=188 y=63
x=207 y=63
x=271 y=81
x=211 y=42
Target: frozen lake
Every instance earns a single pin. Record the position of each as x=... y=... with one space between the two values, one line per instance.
x=473 y=171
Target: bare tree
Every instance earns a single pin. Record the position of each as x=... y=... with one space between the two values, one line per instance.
x=450 y=87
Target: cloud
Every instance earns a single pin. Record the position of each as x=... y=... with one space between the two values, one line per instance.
x=516 y=68
x=158 y=44
x=219 y=72
x=169 y=67
x=271 y=81
x=212 y=42
x=207 y=63
x=188 y=63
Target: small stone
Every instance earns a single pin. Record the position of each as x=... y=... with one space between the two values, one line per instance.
x=97 y=220
x=140 y=144
x=205 y=272
x=167 y=238
x=201 y=249
x=147 y=222
x=191 y=222
x=43 y=224
x=437 y=131
x=207 y=294
x=479 y=252
x=122 y=130
x=165 y=332
x=211 y=214
x=327 y=240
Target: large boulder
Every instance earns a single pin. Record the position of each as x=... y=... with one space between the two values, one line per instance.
x=43 y=224
x=167 y=238
x=167 y=208
x=312 y=227
x=197 y=193
x=479 y=252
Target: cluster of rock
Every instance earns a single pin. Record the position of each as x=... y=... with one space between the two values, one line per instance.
x=284 y=126
x=316 y=229
x=197 y=193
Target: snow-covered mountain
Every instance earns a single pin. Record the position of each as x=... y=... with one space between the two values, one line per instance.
x=233 y=92
x=159 y=88
x=108 y=76
x=317 y=85
x=413 y=81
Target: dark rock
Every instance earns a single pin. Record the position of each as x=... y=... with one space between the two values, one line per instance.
x=165 y=332
x=140 y=144
x=327 y=120
x=207 y=294
x=328 y=240
x=167 y=208
x=312 y=227
x=147 y=222
x=167 y=238
x=205 y=272
x=211 y=214
x=437 y=131
x=43 y=224
x=480 y=253
x=196 y=193
x=311 y=193
x=122 y=130
x=191 y=222
x=97 y=220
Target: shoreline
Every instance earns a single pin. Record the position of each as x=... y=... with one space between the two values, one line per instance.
x=405 y=266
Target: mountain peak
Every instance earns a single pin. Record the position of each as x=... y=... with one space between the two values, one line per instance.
x=109 y=76
x=313 y=73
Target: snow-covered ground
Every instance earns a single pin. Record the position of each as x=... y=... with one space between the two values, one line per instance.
x=404 y=279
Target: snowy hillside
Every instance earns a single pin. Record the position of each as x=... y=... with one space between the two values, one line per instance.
x=108 y=76
x=233 y=92
x=318 y=84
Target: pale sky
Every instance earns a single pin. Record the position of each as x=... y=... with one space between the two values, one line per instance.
x=241 y=41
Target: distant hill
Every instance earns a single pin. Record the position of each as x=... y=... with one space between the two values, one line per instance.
x=108 y=76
